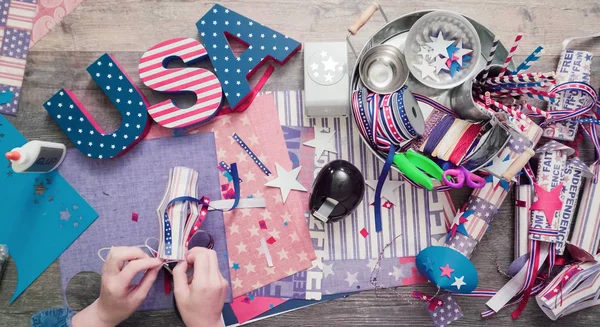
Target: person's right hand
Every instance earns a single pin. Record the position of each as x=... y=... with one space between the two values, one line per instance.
x=200 y=301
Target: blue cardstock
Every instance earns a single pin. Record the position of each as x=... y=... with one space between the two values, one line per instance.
x=41 y=214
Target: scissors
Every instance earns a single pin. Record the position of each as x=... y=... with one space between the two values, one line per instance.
x=418 y=168
x=462 y=177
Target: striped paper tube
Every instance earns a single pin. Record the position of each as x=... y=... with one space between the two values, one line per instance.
x=550 y=174
x=585 y=237
x=523 y=197
x=575 y=174
x=537 y=110
x=512 y=79
x=511 y=53
x=533 y=57
x=575 y=288
x=490 y=57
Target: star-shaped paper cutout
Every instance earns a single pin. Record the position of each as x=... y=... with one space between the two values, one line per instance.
x=438 y=45
x=387 y=191
x=425 y=52
x=451 y=50
x=440 y=64
x=426 y=70
x=458 y=282
x=322 y=142
x=446 y=271
x=454 y=68
x=498 y=166
x=495 y=180
x=428 y=264
x=547 y=201
x=460 y=53
x=314 y=66
x=40 y=189
x=286 y=181
x=458 y=224
x=330 y=64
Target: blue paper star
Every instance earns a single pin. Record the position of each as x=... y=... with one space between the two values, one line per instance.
x=454 y=68
x=428 y=265
x=451 y=50
x=236 y=266
x=503 y=183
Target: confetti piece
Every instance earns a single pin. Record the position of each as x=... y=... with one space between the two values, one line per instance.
x=364 y=233
x=235 y=266
x=262 y=224
x=271 y=240
x=134 y=217
x=265 y=249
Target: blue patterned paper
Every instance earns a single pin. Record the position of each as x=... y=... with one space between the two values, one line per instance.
x=41 y=214
x=80 y=127
x=232 y=71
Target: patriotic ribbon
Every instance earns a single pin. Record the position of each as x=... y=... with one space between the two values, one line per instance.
x=591 y=101
x=382 y=177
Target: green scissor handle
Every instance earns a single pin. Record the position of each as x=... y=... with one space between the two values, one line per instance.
x=425 y=164
x=412 y=172
x=413 y=165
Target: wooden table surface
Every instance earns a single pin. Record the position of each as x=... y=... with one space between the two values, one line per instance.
x=127 y=28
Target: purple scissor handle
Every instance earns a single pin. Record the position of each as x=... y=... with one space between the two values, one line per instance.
x=458 y=177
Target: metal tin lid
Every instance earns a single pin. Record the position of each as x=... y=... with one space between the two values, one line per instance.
x=383 y=69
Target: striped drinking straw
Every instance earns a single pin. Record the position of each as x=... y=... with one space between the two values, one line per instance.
x=511 y=53
x=533 y=57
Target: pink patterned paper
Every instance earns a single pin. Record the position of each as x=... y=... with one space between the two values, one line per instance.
x=48 y=14
x=292 y=250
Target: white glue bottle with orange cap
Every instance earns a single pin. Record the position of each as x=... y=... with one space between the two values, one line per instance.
x=37 y=157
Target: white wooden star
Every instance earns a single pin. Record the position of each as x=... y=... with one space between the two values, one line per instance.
x=439 y=46
x=426 y=70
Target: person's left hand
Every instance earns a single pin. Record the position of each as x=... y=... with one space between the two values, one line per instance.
x=118 y=298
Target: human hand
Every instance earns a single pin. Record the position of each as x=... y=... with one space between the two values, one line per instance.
x=200 y=301
x=118 y=298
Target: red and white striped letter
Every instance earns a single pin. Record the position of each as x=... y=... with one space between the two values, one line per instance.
x=202 y=82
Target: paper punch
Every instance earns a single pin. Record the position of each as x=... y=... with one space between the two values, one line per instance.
x=326 y=80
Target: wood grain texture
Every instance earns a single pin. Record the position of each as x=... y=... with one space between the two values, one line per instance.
x=127 y=28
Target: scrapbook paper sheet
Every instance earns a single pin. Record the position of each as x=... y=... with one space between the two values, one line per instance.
x=347 y=250
x=16 y=21
x=281 y=226
x=135 y=183
x=50 y=13
x=42 y=214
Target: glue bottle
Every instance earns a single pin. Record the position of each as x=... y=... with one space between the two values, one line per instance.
x=37 y=157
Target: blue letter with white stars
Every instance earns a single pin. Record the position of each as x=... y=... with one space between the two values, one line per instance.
x=263 y=43
x=81 y=128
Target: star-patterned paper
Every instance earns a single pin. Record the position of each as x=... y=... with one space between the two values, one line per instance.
x=16 y=22
x=326 y=68
x=263 y=43
x=87 y=136
x=292 y=249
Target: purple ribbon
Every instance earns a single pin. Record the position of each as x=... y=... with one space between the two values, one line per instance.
x=382 y=177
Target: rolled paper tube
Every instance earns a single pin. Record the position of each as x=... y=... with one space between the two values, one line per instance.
x=575 y=173
x=551 y=168
x=523 y=199
x=585 y=237
x=575 y=288
x=518 y=164
x=573 y=66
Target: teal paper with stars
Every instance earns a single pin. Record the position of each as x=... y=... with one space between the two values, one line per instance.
x=263 y=43
x=448 y=269
x=41 y=214
x=81 y=128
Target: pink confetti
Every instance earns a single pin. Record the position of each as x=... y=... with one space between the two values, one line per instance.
x=364 y=233
x=262 y=224
x=134 y=217
x=271 y=240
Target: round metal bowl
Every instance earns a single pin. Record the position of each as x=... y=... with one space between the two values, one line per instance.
x=395 y=33
x=383 y=69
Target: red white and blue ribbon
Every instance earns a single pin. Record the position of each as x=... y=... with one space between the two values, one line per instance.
x=253 y=156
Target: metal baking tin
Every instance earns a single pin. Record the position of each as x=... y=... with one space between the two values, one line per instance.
x=383 y=69
x=394 y=33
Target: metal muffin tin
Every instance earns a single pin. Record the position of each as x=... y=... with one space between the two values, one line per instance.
x=394 y=33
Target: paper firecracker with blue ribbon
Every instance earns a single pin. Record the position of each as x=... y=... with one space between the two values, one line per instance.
x=448 y=269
